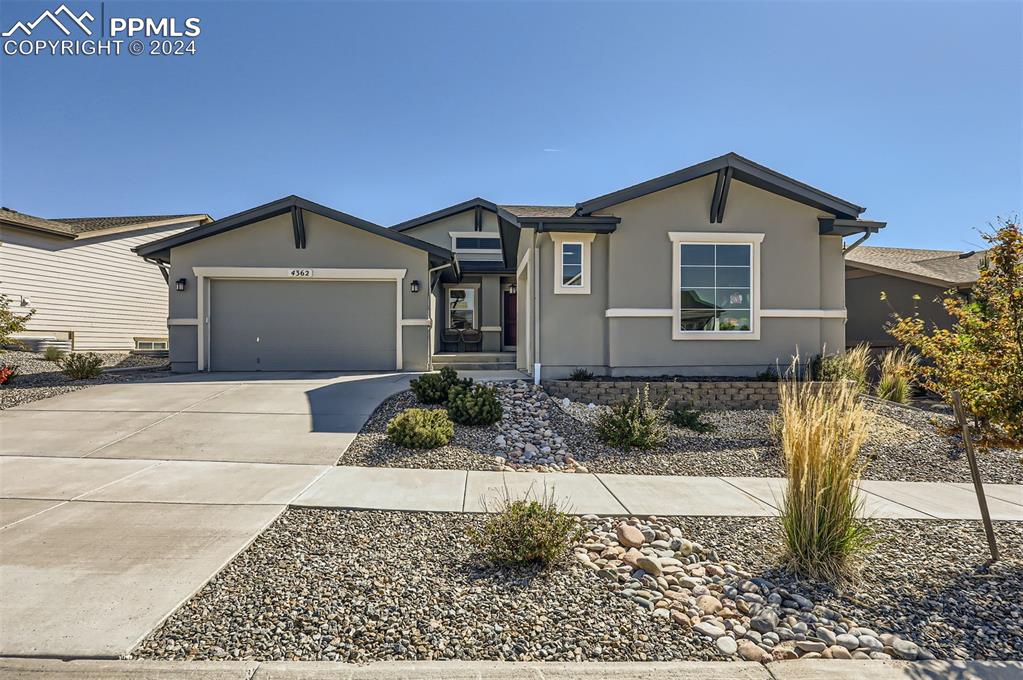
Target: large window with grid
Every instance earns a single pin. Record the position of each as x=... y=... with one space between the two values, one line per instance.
x=715 y=283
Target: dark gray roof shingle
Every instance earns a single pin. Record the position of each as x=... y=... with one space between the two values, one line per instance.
x=77 y=226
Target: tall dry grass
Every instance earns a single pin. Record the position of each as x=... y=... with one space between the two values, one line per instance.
x=853 y=364
x=822 y=429
x=899 y=369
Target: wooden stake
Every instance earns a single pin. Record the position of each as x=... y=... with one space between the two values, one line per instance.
x=978 y=486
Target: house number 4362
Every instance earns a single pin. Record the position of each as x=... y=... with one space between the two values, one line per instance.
x=301 y=273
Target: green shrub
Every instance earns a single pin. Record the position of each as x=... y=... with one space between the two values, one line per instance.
x=822 y=430
x=680 y=415
x=527 y=531
x=899 y=369
x=433 y=388
x=474 y=404
x=769 y=374
x=634 y=422
x=853 y=365
x=580 y=375
x=420 y=428
x=53 y=354
x=81 y=366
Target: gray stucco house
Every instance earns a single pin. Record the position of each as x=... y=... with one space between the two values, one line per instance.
x=913 y=280
x=722 y=268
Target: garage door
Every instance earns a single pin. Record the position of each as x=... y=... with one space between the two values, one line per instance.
x=302 y=325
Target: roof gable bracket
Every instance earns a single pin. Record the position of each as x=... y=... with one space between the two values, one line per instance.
x=298 y=226
x=729 y=171
x=719 y=184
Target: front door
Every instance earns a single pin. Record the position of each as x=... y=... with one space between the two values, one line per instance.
x=510 y=315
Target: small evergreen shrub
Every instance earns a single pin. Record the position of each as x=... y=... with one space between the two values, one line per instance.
x=580 y=375
x=433 y=388
x=899 y=368
x=53 y=354
x=81 y=366
x=635 y=422
x=527 y=531
x=680 y=415
x=769 y=374
x=474 y=405
x=420 y=428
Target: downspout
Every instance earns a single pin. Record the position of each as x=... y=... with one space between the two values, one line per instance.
x=536 y=306
x=849 y=248
x=429 y=308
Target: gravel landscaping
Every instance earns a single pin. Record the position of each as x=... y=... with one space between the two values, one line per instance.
x=362 y=586
x=538 y=433
x=41 y=379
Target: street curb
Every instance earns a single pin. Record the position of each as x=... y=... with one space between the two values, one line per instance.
x=824 y=669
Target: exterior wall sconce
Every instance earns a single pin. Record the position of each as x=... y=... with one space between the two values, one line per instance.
x=179 y=285
x=513 y=289
x=414 y=287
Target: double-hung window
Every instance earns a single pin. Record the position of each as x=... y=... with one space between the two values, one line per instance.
x=461 y=308
x=715 y=285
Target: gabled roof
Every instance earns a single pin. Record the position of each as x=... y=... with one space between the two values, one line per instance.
x=446 y=212
x=510 y=212
x=160 y=250
x=742 y=169
x=540 y=211
x=84 y=227
x=940 y=267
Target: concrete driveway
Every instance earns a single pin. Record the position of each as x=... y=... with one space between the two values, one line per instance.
x=291 y=418
x=118 y=502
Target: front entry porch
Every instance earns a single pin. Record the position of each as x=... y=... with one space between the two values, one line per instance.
x=475 y=361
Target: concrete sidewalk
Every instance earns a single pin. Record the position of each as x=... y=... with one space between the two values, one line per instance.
x=473 y=491
x=44 y=669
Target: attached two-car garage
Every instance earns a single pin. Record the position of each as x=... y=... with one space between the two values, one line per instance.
x=300 y=325
x=296 y=286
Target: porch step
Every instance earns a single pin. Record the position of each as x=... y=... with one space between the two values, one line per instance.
x=476 y=361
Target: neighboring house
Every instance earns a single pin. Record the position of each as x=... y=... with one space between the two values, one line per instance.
x=725 y=267
x=80 y=275
x=913 y=281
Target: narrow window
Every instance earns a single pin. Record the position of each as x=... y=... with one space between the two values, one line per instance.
x=461 y=308
x=572 y=265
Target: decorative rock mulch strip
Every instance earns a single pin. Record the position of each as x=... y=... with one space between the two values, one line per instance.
x=40 y=379
x=527 y=441
x=362 y=586
x=472 y=448
x=678 y=580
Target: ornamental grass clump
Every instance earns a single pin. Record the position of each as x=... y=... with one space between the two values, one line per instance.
x=635 y=422
x=853 y=365
x=81 y=366
x=822 y=430
x=526 y=531
x=899 y=368
x=433 y=388
x=52 y=353
x=581 y=375
x=474 y=404
x=420 y=428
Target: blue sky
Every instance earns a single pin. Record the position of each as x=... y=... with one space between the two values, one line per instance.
x=388 y=110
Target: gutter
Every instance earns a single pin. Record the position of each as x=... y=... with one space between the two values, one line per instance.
x=852 y=246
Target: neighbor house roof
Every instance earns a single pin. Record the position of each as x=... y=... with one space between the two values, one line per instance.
x=160 y=250
x=735 y=166
x=83 y=227
x=941 y=267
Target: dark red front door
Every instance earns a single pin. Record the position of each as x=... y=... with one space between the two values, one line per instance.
x=510 y=311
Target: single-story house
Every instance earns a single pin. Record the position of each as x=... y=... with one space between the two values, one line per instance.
x=722 y=268
x=913 y=280
x=88 y=289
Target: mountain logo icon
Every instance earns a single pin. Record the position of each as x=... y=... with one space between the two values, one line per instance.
x=77 y=20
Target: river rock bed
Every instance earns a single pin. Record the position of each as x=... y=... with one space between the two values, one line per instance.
x=367 y=585
x=38 y=378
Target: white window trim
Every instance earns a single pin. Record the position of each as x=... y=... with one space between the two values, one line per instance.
x=205 y=274
x=475 y=302
x=564 y=238
x=474 y=234
x=678 y=238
